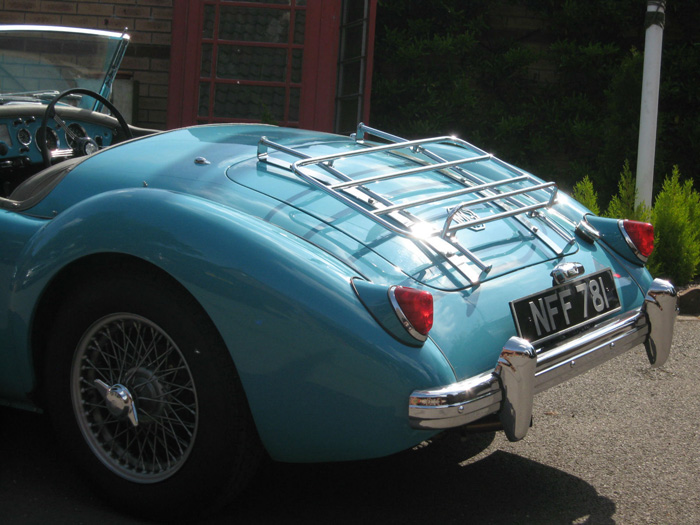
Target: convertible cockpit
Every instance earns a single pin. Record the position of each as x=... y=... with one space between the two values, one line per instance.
x=55 y=85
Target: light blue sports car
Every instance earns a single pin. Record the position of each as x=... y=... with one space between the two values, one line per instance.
x=183 y=304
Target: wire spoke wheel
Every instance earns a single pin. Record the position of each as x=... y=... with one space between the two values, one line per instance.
x=134 y=398
x=144 y=395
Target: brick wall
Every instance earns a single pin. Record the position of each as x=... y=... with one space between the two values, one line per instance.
x=147 y=59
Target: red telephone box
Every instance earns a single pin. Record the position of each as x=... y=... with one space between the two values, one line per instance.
x=299 y=63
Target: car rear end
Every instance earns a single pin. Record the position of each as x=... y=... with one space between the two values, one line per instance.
x=518 y=285
x=546 y=333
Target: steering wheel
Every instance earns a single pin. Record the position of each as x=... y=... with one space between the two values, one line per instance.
x=82 y=145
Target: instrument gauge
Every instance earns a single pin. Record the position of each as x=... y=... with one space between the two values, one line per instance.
x=51 y=138
x=24 y=136
x=76 y=131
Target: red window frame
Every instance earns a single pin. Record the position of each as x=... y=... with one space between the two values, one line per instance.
x=319 y=68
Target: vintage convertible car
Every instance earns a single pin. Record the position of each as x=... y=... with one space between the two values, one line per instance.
x=184 y=303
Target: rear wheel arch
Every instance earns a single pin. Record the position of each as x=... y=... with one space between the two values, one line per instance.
x=79 y=273
x=89 y=271
x=94 y=294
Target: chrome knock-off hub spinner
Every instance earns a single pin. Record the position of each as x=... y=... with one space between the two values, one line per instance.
x=119 y=401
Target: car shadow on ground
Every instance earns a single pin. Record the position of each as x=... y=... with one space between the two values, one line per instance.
x=449 y=481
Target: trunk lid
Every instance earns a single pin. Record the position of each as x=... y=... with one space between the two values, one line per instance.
x=443 y=211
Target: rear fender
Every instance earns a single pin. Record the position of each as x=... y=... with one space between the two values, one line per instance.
x=324 y=381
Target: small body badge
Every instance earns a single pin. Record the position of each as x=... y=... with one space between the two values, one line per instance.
x=465 y=215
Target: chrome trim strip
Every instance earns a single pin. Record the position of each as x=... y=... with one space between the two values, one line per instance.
x=509 y=389
x=590 y=350
x=485 y=268
x=61 y=29
x=554 y=226
x=587 y=232
x=113 y=69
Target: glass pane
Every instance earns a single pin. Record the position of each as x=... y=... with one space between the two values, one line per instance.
x=353 y=42
x=252 y=63
x=203 y=110
x=209 y=19
x=354 y=10
x=297 y=59
x=299 y=26
x=347 y=115
x=54 y=60
x=349 y=78
x=294 y=97
x=253 y=24
x=206 y=60
x=249 y=102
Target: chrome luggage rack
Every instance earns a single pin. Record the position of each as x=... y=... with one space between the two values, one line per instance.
x=356 y=194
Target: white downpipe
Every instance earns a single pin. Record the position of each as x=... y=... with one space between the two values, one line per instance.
x=646 y=149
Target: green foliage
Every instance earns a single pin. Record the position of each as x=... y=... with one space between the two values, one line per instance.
x=586 y=195
x=675 y=216
x=622 y=204
x=676 y=219
x=559 y=97
x=620 y=127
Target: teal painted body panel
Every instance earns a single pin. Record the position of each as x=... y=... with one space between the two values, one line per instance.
x=471 y=324
x=16 y=377
x=259 y=288
x=271 y=261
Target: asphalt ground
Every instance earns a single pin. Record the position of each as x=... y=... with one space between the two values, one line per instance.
x=620 y=444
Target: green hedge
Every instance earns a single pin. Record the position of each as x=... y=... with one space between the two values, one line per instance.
x=449 y=66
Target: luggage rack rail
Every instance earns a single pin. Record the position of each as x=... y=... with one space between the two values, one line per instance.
x=519 y=203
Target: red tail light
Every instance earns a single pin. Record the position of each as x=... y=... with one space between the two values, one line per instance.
x=414 y=309
x=640 y=237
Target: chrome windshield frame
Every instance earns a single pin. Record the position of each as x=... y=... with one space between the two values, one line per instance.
x=112 y=63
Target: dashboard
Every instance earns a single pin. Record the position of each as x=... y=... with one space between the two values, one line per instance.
x=20 y=152
x=19 y=131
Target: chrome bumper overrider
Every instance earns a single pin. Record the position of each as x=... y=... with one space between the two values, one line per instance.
x=522 y=371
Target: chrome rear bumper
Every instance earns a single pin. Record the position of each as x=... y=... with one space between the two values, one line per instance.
x=522 y=371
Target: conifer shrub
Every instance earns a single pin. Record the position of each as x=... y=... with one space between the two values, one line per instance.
x=675 y=216
x=622 y=204
x=676 y=220
x=586 y=195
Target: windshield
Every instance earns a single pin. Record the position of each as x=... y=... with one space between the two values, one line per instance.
x=37 y=62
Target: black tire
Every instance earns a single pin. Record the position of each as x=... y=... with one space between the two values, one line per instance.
x=192 y=444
